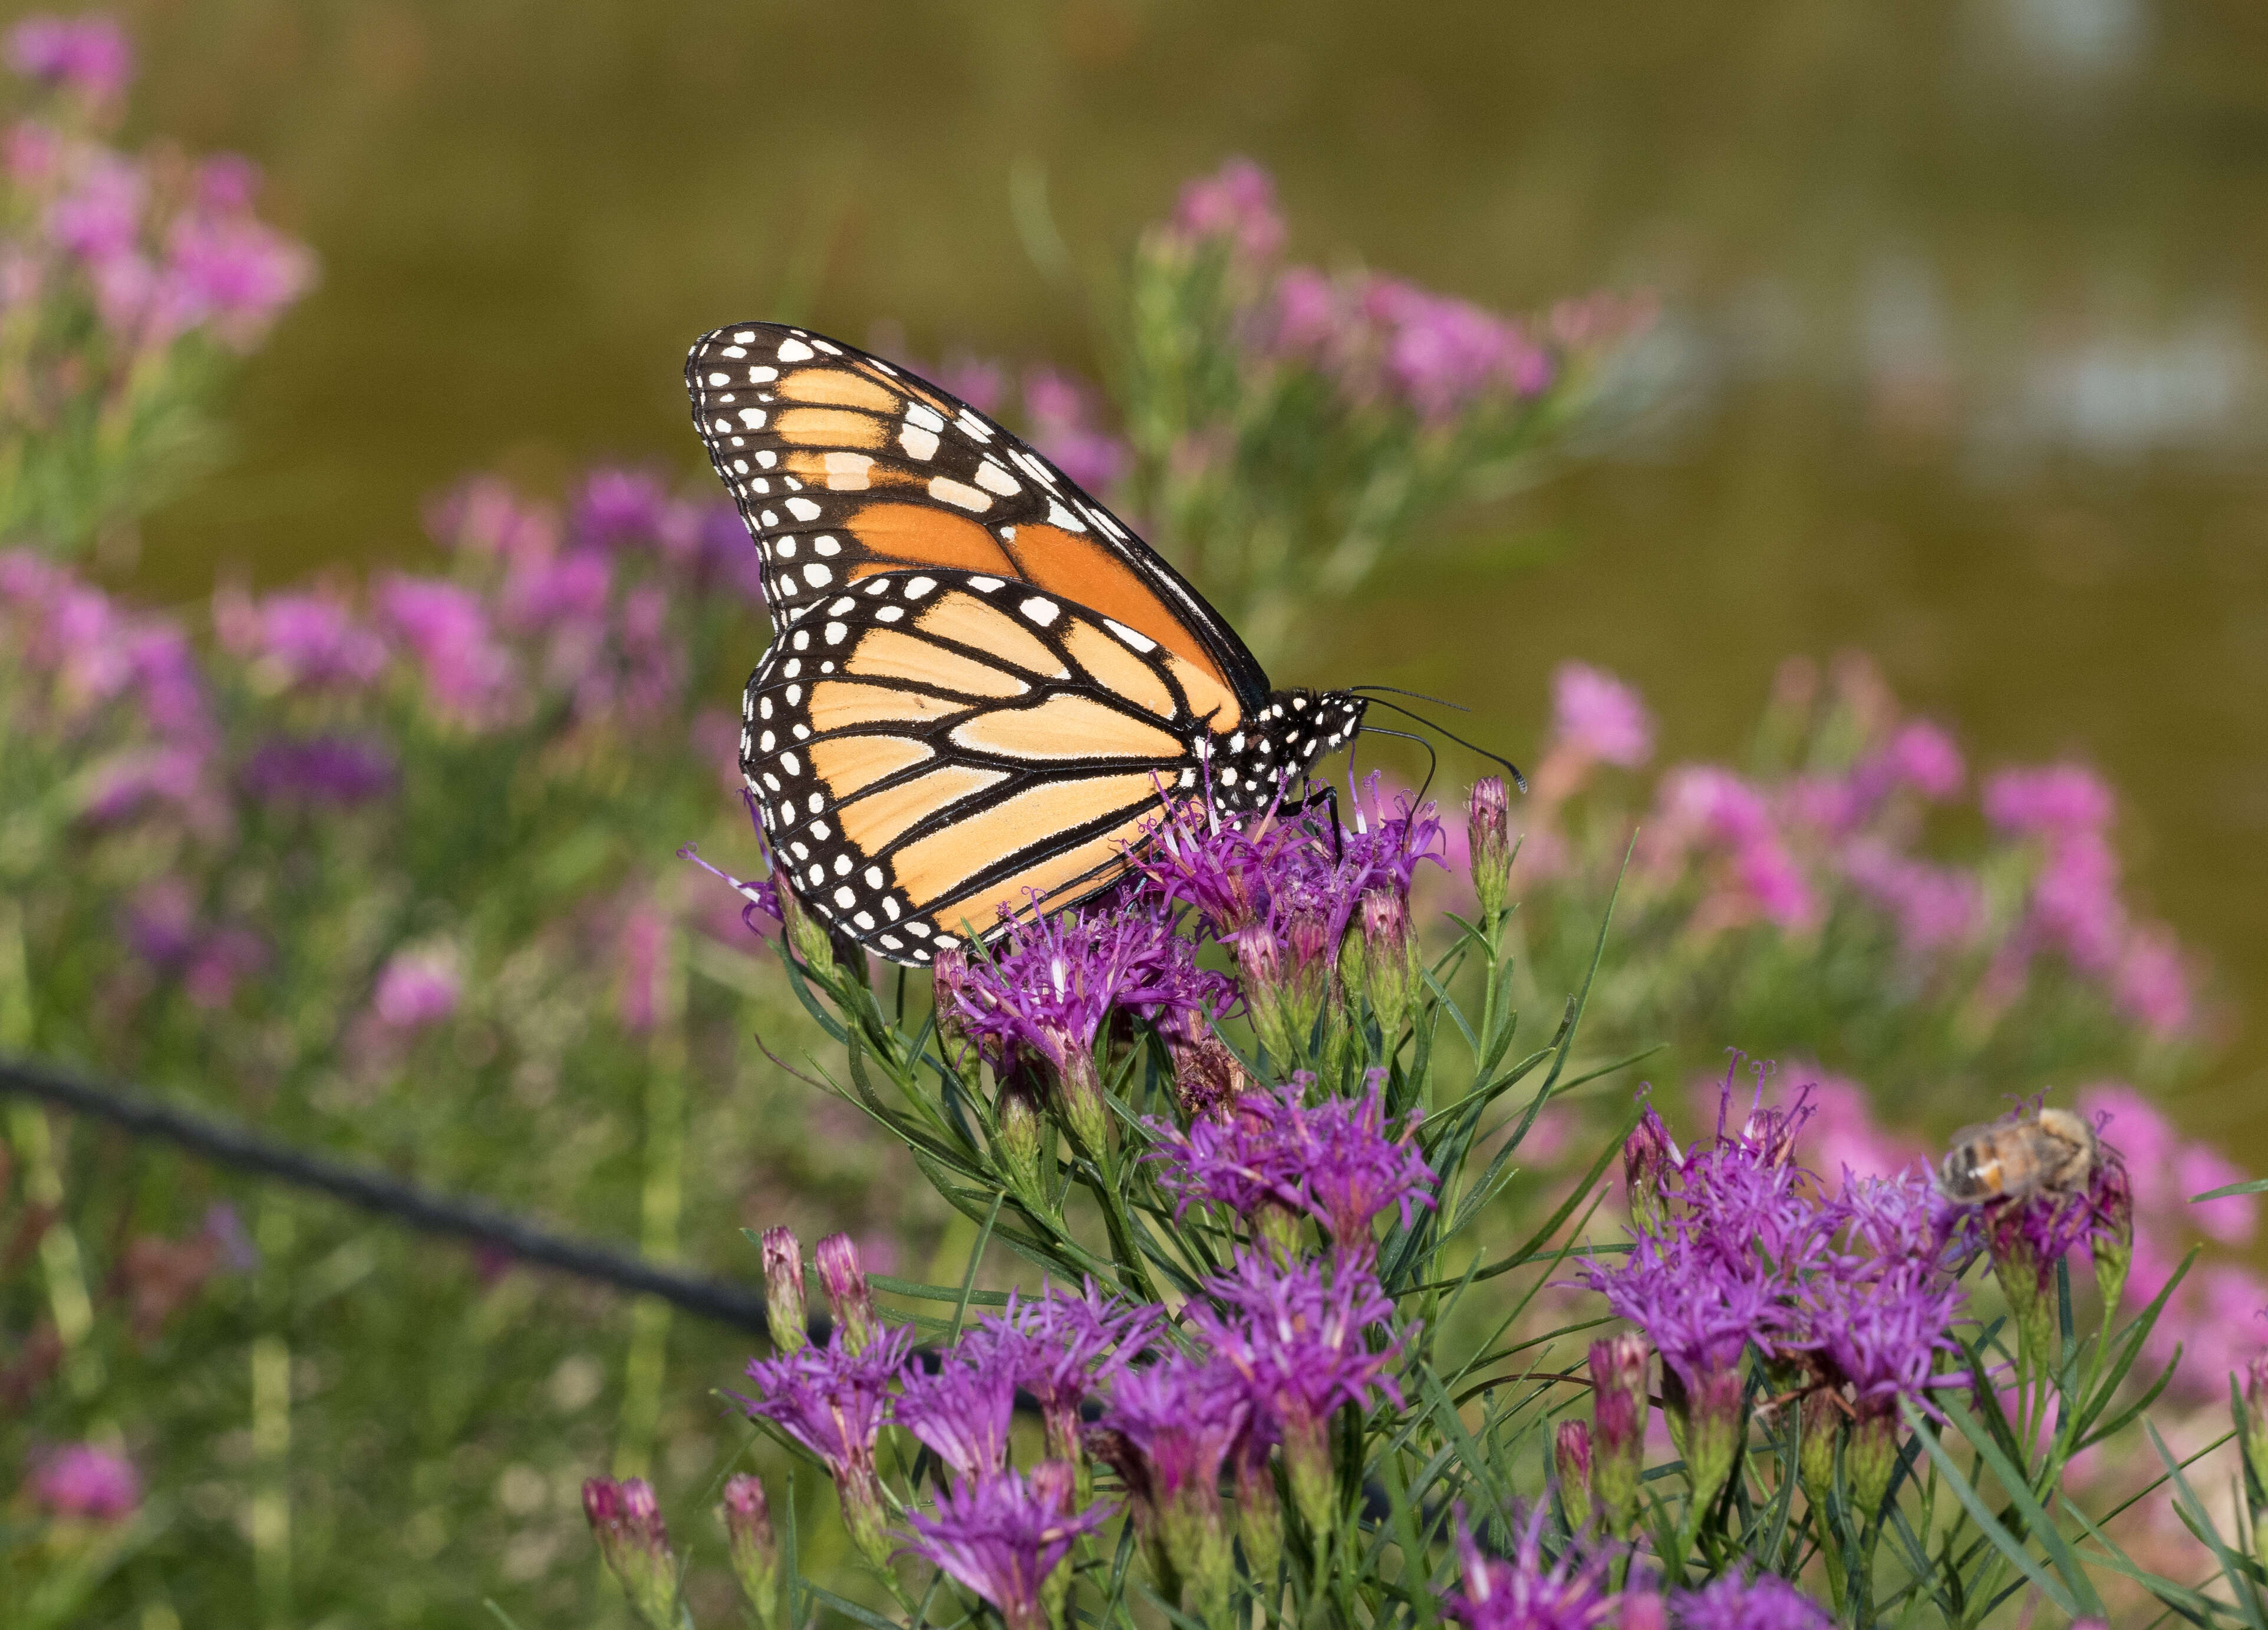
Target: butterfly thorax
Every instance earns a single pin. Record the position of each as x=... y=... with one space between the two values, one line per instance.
x=1279 y=743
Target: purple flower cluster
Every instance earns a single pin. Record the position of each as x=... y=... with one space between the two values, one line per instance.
x=1792 y=850
x=1766 y=1603
x=1060 y=1349
x=89 y=55
x=1004 y=1535
x=85 y=1480
x=1333 y=1160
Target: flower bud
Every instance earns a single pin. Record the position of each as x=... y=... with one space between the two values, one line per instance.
x=1308 y=980
x=1618 y=1415
x=2024 y=1276
x=809 y=938
x=1713 y=1429
x=1396 y=973
x=1643 y=1610
x=846 y=1290
x=636 y=1546
x=785 y=1313
x=1259 y=1517
x=1017 y=1111
x=2110 y=1242
x=1260 y=975
x=753 y=1548
x=1488 y=835
x=1822 y=1428
x=948 y=977
x=1571 y=1460
x=1870 y=1457
x=1649 y=1155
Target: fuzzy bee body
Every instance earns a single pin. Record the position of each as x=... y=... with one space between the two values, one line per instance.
x=2051 y=1151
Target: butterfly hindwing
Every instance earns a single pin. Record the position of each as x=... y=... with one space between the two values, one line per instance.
x=843 y=466
x=929 y=746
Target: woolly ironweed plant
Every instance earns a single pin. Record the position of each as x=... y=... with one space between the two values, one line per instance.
x=1238 y=1245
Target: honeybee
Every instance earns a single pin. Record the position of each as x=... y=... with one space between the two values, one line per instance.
x=2050 y=1151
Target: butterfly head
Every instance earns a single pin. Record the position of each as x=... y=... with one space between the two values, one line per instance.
x=1281 y=742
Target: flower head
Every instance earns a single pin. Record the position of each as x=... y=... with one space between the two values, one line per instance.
x=1062 y=412
x=634 y=1543
x=1003 y=1536
x=1334 y=1160
x=1768 y=1603
x=468 y=676
x=308 y=638
x=1526 y=1591
x=752 y=1545
x=1168 y=1430
x=1295 y=1335
x=785 y=1314
x=960 y=1411
x=2057 y=800
x=1060 y=1349
x=82 y=1480
x=830 y=1399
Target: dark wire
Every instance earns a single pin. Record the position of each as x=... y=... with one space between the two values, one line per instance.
x=739 y=1306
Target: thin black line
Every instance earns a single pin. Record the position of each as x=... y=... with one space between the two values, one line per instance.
x=737 y=1306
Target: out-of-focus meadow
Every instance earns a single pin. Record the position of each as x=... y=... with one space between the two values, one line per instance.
x=1927 y=337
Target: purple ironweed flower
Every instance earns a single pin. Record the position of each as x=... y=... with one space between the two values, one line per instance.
x=830 y=1399
x=1225 y=871
x=1295 y=1336
x=634 y=1543
x=311 y=638
x=1444 y=356
x=1051 y=990
x=1596 y=715
x=1571 y=1466
x=752 y=1546
x=850 y=1295
x=1167 y=1430
x=1334 y=1160
x=2056 y=800
x=1060 y=1347
x=761 y=912
x=468 y=676
x=1061 y=412
x=134 y=782
x=1619 y=1402
x=1711 y=810
x=82 y=1480
x=1236 y=204
x=1642 y=1610
x=1003 y=1536
x=2152 y=985
x=89 y=55
x=485 y=516
x=961 y=1411
x=785 y=1314
x=416 y=988
x=335 y=771
x=1769 y=1602
x=619 y=508
x=1392 y=971
x=1878 y=1332
x=1522 y=1592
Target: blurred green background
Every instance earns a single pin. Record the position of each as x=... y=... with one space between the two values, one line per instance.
x=1958 y=363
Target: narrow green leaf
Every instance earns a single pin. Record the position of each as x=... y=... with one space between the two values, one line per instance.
x=2003 y=1542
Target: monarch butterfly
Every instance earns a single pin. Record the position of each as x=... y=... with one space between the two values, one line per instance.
x=981 y=684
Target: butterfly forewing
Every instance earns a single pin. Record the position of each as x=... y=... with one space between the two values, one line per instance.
x=929 y=747
x=844 y=466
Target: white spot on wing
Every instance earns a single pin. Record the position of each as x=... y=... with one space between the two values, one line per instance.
x=803 y=508
x=794 y=351
x=919 y=442
x=957 y=494
x=1040 y=610
x=1139 y=642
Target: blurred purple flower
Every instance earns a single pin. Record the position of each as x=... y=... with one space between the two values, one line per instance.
x=1768 y=1603
x=88 y=53
x=31 y=153
x=99 y=219
x=2054 y=801
x=127 y=783
x=309 y=637
x=1598 y=715
x=2151 y=984
x=1003 y=1535
x=221 y=960
x=979 y=381
x=416 y=988
x=225 y=1229
x=640 y=950
x=82 y=1481
x=1710 y=808
x=468 y=676
x=1236 y=204
x=227 y=183
x=1442 y=356
x=1935 y=907
x=486 y=515
x=1522 y=1592
x=1061 y=412
x=330 y=771
x=235 y=270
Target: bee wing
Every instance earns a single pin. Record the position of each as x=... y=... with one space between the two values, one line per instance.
x=1971 y=1134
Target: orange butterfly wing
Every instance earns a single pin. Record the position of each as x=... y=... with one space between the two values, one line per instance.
x=844 y=466
x=930 y=749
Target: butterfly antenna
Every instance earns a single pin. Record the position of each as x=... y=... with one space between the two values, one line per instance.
x=1396 y=690
x=1510 y=769
x=1432 y=759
